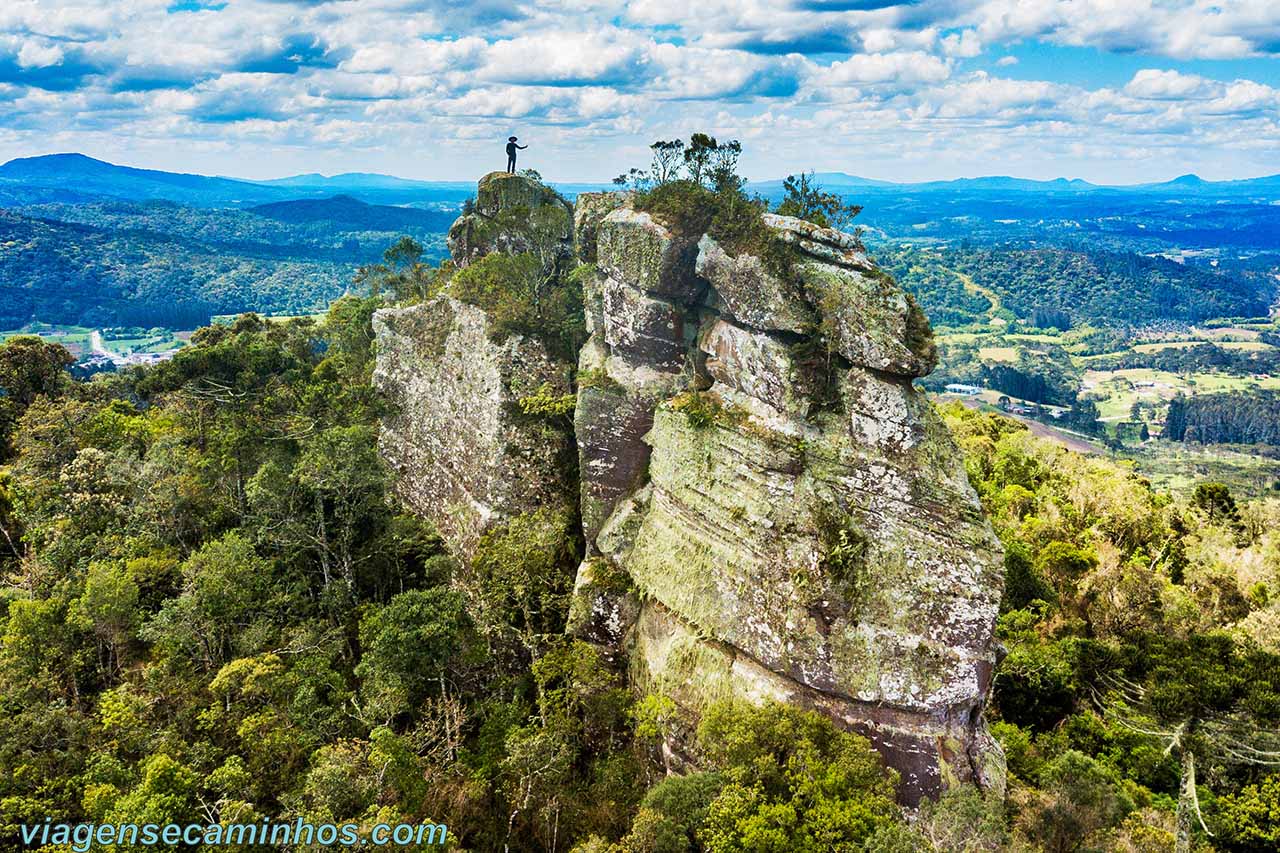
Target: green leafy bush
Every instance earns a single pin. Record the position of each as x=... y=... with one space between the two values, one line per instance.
x=793 y=782
x=522 y=297
x=805 y=200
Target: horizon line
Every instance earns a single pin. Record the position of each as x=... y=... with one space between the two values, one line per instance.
x=609 y=181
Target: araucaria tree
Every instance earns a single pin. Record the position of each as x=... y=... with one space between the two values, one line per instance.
x=1181 y=708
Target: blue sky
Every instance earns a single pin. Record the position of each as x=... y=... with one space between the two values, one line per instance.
x=1114 y=91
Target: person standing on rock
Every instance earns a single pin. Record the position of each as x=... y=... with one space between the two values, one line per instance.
x=511 y=153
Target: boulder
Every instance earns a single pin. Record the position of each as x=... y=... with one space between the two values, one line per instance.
x=635 y=248
x=604 y=607
x=588 y=211
x=834 y=288
x=758 y=365
x=642 y=329
x=750 y=294
x=824 y=244
x=869 y=319
x=501 y=192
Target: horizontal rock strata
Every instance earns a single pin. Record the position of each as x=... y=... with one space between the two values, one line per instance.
x=792 y=516
x=771 y=509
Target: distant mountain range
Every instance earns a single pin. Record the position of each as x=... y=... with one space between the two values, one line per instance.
x=356 y=181
x=1187 y=213
x=86 y=176
x=1186 y=185
x=345 y=212
x=72 y=178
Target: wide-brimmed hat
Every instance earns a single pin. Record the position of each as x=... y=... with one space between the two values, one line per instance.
x=511 y=139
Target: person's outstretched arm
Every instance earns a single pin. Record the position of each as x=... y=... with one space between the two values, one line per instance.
x=522 y=147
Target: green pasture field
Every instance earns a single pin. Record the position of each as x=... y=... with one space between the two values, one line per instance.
x=74 y=338
x=151 y=343
x=1120 y=387
x=228 y=319
x=998 y=353
x=1238 y=345
x=1177 y=468
x=50 y=332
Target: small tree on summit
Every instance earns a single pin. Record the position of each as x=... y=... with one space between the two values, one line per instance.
x=709 y=161
x=806 y=200
x=703 y=161
x=668 y=157
x=697 y=157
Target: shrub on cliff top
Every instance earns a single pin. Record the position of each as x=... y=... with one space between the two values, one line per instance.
x=694 y=189
x=732 y=219
x=522 y=298
x=806 y=200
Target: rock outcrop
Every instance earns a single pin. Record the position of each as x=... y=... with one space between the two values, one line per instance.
x=513 y=214
x=792 y=515
x=465 y=455
x=771 y=509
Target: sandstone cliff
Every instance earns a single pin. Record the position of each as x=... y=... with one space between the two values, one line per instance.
x=465 y=455
x=771 y=509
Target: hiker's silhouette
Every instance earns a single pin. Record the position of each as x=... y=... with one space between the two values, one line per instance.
x=511 y=153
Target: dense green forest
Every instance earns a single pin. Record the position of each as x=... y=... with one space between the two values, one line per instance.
x=80 y=275
x=1200 y=357
x=338 y=228
x=1066 y=285
x=1235 y=418
x=213 y=606
x=161 y=264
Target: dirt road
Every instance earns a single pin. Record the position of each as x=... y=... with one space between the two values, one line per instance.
x=1067 y=440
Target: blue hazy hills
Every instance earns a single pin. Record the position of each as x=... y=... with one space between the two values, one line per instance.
x=1186 y=212
x=70 y=177
x=90 y=242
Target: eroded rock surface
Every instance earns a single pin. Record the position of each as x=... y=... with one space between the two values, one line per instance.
x=793 y=515
x=771 y=509
x=465 y=454
x=642 y=316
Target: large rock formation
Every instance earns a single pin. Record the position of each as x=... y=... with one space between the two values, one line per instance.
x=465 y=455
x=511 y=213
x=771 y=509
x=792 y=515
